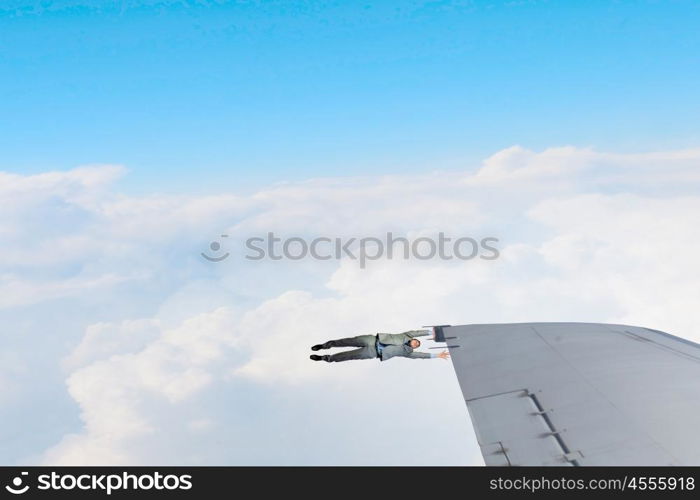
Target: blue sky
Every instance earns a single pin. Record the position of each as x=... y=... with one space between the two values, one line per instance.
x=205 y=96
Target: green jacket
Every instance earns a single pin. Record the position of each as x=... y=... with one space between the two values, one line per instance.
x=396 y=345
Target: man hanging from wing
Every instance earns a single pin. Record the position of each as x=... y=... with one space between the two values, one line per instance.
x=382 y=345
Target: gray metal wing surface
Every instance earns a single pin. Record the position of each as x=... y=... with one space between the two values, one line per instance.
x=579 y=393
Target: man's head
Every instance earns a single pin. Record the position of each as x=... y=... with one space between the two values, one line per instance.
x=414 y=343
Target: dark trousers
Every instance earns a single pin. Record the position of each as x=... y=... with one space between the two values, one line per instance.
x=366 y=348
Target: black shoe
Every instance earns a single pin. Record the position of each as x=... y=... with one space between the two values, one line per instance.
x=316 y=357
x=317 y=347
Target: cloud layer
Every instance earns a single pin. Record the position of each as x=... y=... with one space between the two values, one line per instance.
x=154 y=355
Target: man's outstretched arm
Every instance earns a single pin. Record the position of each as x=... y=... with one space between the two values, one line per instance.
x=420 y=333
x=427 y=355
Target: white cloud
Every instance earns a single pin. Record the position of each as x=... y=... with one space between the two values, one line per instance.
x=576 y=169
x=15 y=291
x=118 y=393
x=103 y=340
x=585 y=236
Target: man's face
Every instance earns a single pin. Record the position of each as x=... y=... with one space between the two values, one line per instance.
x=414 y=343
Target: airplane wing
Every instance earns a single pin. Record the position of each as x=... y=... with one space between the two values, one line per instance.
x=579 y=393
